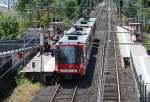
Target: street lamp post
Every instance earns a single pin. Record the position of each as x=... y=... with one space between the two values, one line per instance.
x=60 y=10
x=48 y=13
x=8 y=5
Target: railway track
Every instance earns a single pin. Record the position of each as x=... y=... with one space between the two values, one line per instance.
x=111 y=77
x=111 y=86
x=111 y=73
x=65 y=94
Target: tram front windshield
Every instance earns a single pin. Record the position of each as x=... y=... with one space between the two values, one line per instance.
x=69 y=55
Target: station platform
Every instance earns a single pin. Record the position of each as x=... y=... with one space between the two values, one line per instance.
x=130 y=48
x=124 y=41
x=40 y=63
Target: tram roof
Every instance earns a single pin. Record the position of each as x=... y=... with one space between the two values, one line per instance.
x=80 y=38
x=90 y=22
x=72 y=29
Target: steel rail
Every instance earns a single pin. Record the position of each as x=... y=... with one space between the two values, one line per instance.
x=117 y=73
x=74 y=93
x=116 y=66
x=111 y=40
x=55 y=93
x=57 y=89
x=103 y=65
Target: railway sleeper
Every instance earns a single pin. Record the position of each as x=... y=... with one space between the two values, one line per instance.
x=111 y=90
x=110 y=85
x=62 y=100
x=110 y=99
x=111 y=48
x=110 y=80
x=110 y=94
x=110 y=73
x=112 y=59
x=110 y=67
x=110 y=53
x=63 y=96
x=111 y=64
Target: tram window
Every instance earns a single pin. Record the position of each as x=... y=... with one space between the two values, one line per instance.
x=33 y=64
x=70 y=55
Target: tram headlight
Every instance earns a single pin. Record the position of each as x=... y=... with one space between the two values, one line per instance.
x=76 y=70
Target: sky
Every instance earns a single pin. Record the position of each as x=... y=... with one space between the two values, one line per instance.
x=5 y=2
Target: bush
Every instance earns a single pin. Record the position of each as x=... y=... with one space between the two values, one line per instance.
x=147 y=28
x=20 y=79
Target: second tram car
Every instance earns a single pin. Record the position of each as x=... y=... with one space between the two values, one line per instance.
x=87 y=22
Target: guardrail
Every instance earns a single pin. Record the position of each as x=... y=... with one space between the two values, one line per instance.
x=134 y=70
x=140 y=83
x=17 y=64
x=8 y=53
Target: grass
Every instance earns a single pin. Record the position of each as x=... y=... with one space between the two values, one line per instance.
x=24 y=91
x=17 y=88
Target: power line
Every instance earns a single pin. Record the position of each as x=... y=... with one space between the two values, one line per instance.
x=20 y=21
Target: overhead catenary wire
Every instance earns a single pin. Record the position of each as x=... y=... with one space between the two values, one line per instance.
x=75 y=13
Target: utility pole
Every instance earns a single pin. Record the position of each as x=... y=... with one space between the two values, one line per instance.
x=60 y=10
x=13 y=2
x=55 y=12
x=48 y=13
x=8 y=5
x=88 y=8
x=30 y=6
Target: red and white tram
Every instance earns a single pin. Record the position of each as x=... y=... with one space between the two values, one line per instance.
x=73 y=51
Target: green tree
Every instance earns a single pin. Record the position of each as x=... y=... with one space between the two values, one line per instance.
x=70 y=8
x=44 y=19
x=146 y=3
x=127 y=9
x=8 y=28
x=2 y=33
x=21 y=5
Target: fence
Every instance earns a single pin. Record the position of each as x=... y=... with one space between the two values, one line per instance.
x=144 y=88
